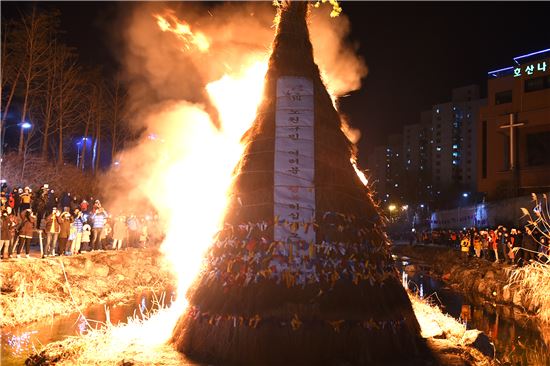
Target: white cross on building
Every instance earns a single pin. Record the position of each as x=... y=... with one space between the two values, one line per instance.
x=511 y=126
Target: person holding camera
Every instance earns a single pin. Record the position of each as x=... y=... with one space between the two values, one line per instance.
x=52 y=229
x=99 y=219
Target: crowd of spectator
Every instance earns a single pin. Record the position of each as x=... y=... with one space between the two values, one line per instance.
x=67 y=225
x=501 y=244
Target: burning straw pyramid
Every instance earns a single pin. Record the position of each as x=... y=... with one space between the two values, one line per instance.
x=301 y=272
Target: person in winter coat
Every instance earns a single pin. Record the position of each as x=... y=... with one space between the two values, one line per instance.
x=510 y=240
x=64 y=231
x=25 y=232
x=84 y=206
x=74 y=204
x=25 y=199
x=465 y=246
x=502 y=237
x=6 y=233
x=39 y=205
x=99 y=218
x=16 y=201
x=78 y=224
x=133 y=230
x=52 y=232
x=86 y=235
x=3 y=200
x=493 y=243
x=14 y=224
x=477 y=245
x=52 y=200
x=120 y=231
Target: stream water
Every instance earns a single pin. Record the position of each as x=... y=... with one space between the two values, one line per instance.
x=518 y=339
x=20 y=342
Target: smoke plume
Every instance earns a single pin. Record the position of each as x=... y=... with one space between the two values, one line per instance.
x=183 y=162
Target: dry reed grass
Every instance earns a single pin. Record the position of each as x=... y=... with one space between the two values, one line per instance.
x=141 y=341
x=35 y=289
x=534 y=280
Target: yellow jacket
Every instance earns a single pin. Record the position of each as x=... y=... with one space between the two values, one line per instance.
x=465 y=244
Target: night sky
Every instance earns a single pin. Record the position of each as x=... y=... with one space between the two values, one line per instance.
x=416 y=51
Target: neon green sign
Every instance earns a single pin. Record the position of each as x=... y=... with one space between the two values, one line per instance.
x=530 y=69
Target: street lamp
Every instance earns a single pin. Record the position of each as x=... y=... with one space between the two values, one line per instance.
x=24 y=126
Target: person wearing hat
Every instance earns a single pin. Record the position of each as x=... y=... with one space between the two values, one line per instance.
x=99 y=219
x=502 y=236
x=52 y=229
x=26 y=229
x=64 y=231
x=25 y=199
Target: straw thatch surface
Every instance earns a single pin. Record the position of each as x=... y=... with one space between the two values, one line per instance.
x=354 y=308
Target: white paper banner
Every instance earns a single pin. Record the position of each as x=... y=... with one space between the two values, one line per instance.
x=294 y=192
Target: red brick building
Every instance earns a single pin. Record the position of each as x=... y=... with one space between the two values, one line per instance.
x=515 y=160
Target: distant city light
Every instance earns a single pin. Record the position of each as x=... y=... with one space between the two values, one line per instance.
x=392 y=208
x=26 y=125
x=404 y=207
x=465 y=194
x=421 y=205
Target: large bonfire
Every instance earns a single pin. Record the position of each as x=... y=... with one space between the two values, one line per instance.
x=300 y=273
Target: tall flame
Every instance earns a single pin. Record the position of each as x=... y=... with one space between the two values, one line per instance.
x=205 y=168
x=194 y=163
x=182 y=30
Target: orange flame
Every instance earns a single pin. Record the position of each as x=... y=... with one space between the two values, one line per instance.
x=200 y=158
x=182 y=30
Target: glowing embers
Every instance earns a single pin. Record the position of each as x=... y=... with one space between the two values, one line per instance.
x=182 y=30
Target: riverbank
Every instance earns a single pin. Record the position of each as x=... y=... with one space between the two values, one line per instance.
x=496 y=283
x=34 y=289
x=144 y=342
